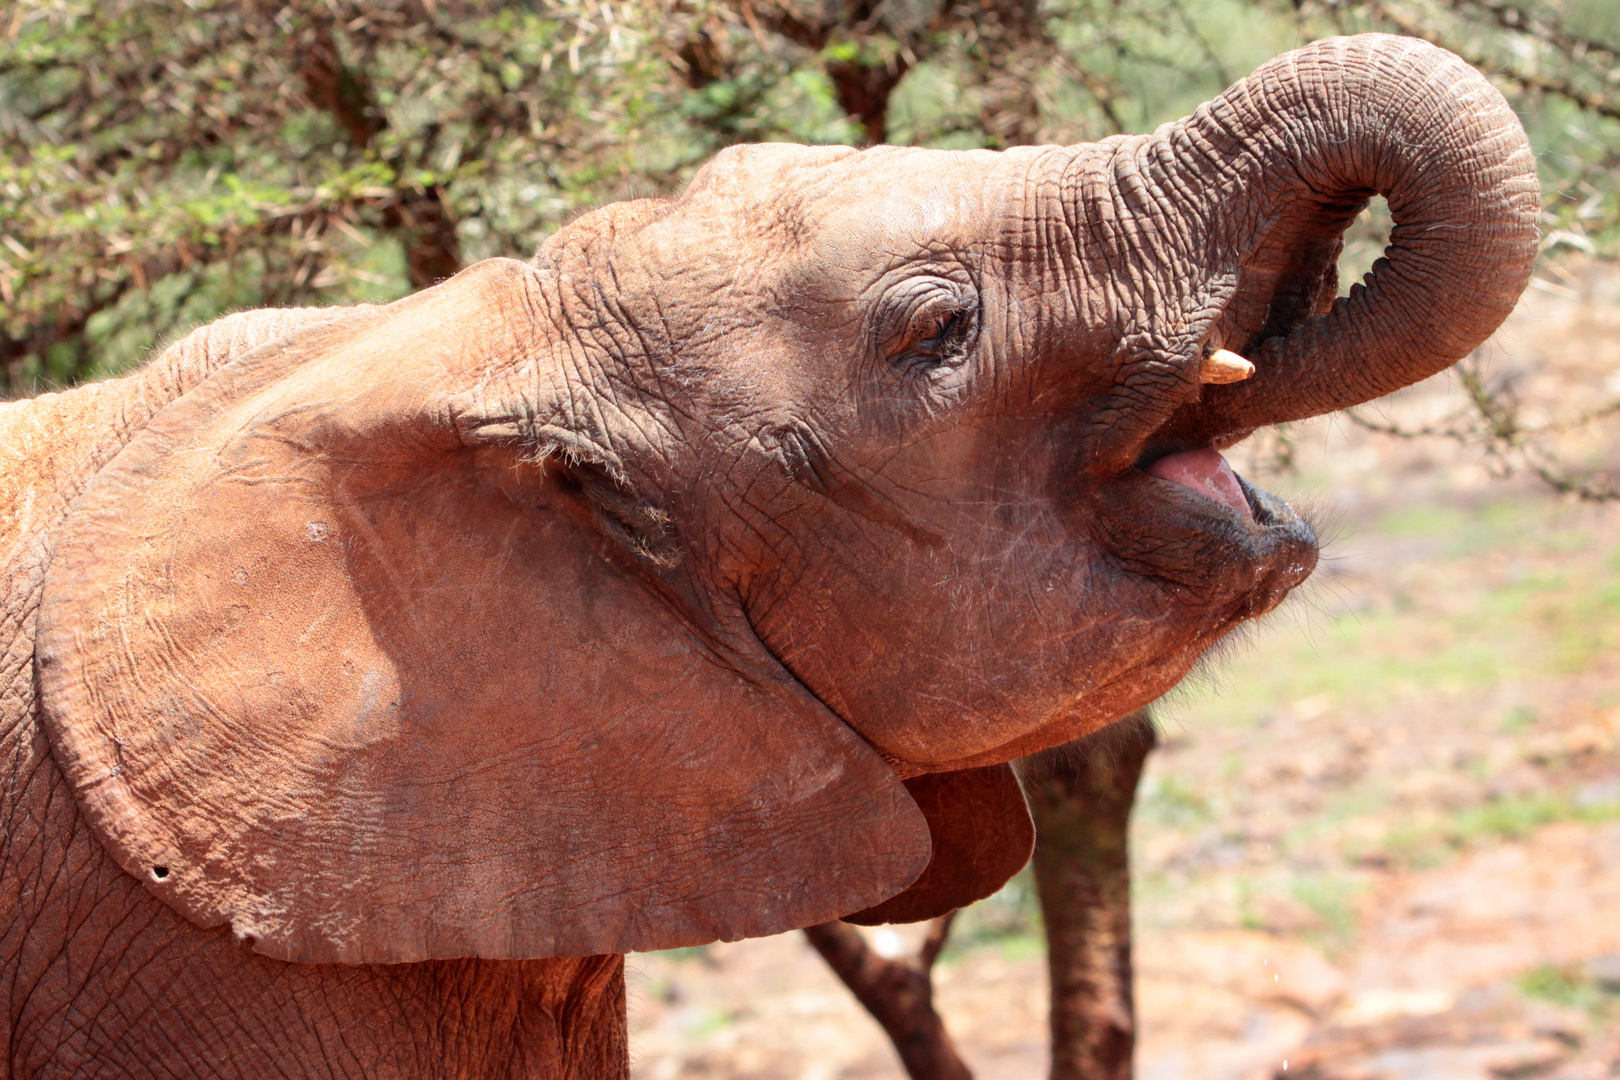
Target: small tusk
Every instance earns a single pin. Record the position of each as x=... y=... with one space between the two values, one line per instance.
x=1222 y=366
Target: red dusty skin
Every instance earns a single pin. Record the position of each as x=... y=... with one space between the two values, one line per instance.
x=1207 y=473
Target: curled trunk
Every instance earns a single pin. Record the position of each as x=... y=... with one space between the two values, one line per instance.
x=1285 y=158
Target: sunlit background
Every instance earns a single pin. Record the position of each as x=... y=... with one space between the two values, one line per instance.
x=1381 y=839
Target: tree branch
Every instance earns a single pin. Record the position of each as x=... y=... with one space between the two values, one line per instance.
x=1506 y=438
x=899 y=993
x=1600 y=104
x=1575 y=46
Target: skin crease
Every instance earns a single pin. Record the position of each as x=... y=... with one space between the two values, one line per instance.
x=830 y=472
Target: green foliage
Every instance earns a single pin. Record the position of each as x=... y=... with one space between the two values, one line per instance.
x=164 y=163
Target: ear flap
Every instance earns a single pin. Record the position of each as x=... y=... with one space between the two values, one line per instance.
x=318 y=670
x=982 y=835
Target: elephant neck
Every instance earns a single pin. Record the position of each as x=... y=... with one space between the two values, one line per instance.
x=51 y=867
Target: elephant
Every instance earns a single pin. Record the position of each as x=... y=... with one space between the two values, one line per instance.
x=375 y=677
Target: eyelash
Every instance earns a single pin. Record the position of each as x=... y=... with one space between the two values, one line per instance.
x=926 y=354
x=946 y=326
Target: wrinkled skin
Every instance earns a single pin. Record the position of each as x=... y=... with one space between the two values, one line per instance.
x=100 y=979
x=375 y=676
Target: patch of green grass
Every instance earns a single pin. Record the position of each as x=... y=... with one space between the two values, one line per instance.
x=1021 y=946
x=1428 y=843
x=1305 y=837
x=708 y=1023
x=1248 y=909
x=1538 y=525
x=1009 y=919
x=1412 y=845
x=1509 y=819
x=1318 y=906
x=1170 y=802
x=1585 y=626
x=1517 y=719
x=662 y=988
x=1423 y=520
x=1565 y=541
x=1570 y=987
x=1518 y=598
x=1549 y=982
x=1363 y=663
x=1153 y=890
x=1331 y=897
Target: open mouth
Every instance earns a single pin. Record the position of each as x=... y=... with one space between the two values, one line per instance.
x=1184 y=515
x=1201 y=469
x=1207 y=473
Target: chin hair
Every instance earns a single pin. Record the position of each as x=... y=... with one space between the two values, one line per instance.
x=1103 y=746
x=1310 y=606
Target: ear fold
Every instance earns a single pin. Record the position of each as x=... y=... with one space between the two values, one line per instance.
x=982 y=835
x=319 y=670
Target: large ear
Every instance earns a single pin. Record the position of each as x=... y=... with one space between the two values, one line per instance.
x=319 y=669
x=982 y=835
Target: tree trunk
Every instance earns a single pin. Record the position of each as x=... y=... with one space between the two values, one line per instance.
x=418 y=216
x=1080 y=795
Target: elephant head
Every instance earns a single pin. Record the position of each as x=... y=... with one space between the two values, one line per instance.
x=695 y=579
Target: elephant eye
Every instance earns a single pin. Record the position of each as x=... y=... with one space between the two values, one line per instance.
x=935 y=336
x=924 y=325
x=943 y=325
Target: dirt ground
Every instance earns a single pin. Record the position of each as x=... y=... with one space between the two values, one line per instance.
x=1380 y=840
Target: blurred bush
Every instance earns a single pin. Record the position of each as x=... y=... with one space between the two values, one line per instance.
x=165 y=163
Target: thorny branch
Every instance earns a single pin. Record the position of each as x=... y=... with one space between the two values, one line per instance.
x=1602 y=104
x=1493 y=421
x=1575 y=46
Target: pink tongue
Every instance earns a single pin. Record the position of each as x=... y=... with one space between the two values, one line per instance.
x=1207 y=473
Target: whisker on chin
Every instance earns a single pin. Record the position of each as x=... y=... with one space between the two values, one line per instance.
x=1312 y=607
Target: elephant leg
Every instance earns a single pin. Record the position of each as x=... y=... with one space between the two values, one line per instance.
x=1081 y=796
